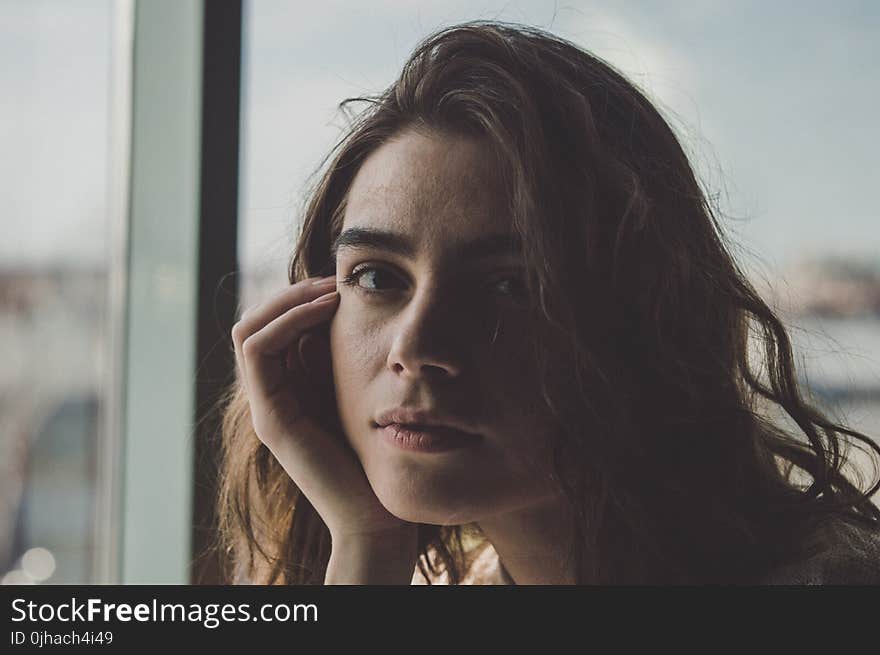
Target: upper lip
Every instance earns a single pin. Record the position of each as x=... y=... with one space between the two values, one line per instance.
x=412 y=416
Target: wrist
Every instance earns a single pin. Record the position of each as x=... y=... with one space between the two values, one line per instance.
x=380 y=559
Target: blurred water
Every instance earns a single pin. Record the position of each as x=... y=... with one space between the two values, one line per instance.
x=839 y=361
x=840 y=356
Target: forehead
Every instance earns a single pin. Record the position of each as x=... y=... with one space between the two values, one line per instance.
x=438 y=188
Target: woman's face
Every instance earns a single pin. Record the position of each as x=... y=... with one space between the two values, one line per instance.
x=433 y=317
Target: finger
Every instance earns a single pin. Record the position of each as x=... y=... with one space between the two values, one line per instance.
x=264 y=353
x=257 y=317
x=312 y=281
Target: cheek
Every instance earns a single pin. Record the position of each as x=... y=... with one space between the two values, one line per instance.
x=509 y=359
x=352 y=343
x=514 y=395
x=357 y=355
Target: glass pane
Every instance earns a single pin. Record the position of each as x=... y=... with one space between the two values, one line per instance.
x=776 y=115
x=54 y=256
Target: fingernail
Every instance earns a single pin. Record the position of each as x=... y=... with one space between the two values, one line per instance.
x=326 y=280
x=326 y=297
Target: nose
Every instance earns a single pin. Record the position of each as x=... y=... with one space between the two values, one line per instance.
x=428 y=338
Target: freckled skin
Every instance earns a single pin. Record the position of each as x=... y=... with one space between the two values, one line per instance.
x=447 y=338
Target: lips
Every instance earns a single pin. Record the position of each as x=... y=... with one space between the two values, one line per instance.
x=426 y=439
x=419 y=419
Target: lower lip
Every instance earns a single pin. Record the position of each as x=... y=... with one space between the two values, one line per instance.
x=426 y=440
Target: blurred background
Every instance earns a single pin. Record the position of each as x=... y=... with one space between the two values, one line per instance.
x=774 y=102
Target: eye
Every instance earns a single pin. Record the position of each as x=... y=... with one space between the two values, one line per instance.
x=371 y=279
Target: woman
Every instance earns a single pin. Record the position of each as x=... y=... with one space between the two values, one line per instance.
x=513 y=329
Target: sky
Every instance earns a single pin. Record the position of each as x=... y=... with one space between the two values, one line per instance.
x=774 y=102
x=54 y=111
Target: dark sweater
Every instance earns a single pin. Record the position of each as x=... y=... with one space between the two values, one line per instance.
x=848 y=555
x=851 y=556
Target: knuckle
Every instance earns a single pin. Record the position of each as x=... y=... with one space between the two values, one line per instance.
x=250 y=347
x=238 y=332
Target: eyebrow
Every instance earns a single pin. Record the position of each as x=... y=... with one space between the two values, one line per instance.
x=365 y=237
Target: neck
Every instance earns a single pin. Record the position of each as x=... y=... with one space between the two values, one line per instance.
x=533 y=543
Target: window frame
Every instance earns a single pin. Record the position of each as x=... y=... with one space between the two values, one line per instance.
x=172 y=300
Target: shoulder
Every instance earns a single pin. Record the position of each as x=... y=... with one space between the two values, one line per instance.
x=850 y=555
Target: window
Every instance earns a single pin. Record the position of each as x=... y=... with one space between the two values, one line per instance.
x=120 y=176
x=754 y=96
x=56 y=262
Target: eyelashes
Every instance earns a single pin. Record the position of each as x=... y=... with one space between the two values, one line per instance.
x=513 y=285
x=353 y=278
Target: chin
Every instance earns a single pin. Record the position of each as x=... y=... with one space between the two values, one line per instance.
x=424 y=502
x=430 y=515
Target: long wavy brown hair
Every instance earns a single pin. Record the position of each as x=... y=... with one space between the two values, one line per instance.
x=667 y=450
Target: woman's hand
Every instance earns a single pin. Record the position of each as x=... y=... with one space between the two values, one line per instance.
x=284 y=362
